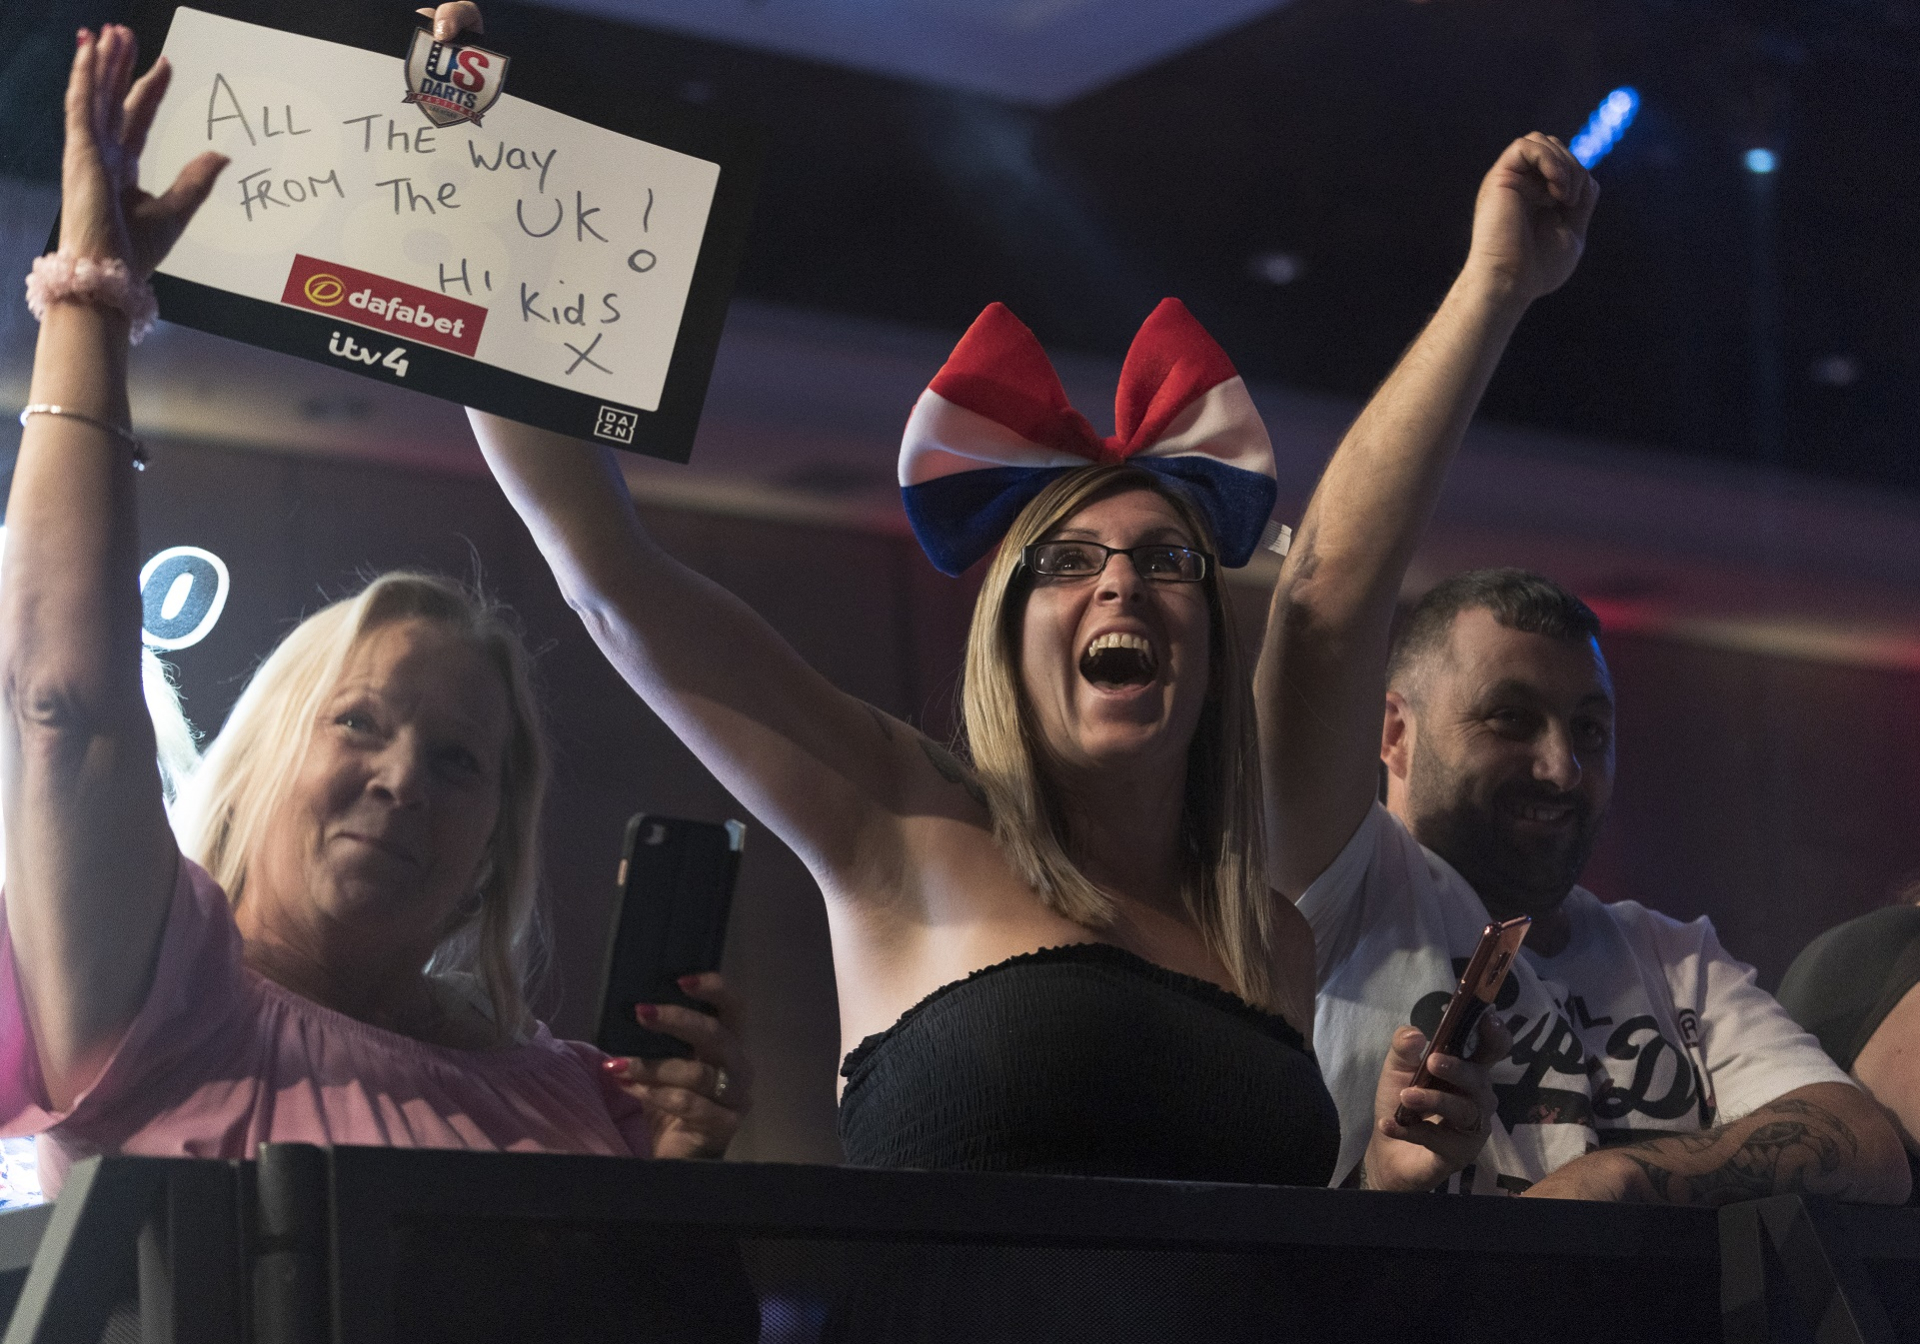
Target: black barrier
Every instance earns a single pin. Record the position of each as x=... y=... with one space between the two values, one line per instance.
x=142 y=1248
x=1794 y=1268
x=388 y=1246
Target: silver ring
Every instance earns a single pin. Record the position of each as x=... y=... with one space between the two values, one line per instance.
x=720 y=1083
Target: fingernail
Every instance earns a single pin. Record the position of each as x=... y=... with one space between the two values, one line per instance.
x=442 y=31
x=688 y=982
x=615 y=1066
x=646 y=1012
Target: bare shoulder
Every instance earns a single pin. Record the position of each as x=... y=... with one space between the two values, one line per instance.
x=936 y=898
x=937 y=834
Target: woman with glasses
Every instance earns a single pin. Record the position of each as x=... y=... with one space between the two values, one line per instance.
x=1062 y=955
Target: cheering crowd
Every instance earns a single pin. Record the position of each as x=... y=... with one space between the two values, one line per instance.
x=1177 y=910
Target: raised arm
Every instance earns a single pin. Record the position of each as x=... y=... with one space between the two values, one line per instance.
x=1321 y=678
x=822 y=769
x=90 y=858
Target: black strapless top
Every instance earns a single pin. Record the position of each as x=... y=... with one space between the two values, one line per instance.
x=1088 y=1060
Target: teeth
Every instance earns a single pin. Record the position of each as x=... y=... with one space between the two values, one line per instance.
x=1531 y=812
x=1119 y=659
x=1117 y=640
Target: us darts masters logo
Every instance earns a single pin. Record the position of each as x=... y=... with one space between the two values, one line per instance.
x=450 y=81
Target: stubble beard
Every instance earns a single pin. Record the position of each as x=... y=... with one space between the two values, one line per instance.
x=1512 y=874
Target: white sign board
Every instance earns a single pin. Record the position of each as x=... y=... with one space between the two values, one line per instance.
x=533 y=245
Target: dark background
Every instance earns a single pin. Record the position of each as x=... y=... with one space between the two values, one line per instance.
x=1717 y=313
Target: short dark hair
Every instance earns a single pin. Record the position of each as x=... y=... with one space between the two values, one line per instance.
x=1518 y=598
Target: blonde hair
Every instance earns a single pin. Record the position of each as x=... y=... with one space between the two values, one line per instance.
x=176 y=746
x=225 y=808
x=1224 y=883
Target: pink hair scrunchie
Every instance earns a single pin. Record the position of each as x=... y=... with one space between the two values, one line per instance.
x=60 y=276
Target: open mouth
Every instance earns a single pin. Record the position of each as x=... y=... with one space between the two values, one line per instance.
x=1116 y=660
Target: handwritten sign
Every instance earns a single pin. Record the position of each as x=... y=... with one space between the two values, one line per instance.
x=538 y=266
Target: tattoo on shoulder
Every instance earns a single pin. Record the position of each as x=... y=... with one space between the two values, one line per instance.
x=950 y=769
x=1798 y=1147
x=948 y=766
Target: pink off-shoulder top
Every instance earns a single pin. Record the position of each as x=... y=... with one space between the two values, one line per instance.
x=221 y=1059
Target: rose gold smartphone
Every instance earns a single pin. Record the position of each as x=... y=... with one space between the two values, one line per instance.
x=1479 y=986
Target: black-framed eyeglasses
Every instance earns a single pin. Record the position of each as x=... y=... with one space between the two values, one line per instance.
x=1159 y=562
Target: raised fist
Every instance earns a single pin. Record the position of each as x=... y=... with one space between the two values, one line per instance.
x=1530 y=219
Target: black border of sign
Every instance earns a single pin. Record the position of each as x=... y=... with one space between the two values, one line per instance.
x=737 y=147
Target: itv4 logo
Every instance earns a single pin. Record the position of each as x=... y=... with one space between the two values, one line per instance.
x=345 y=347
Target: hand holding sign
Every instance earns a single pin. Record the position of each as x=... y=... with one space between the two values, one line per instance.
x=452 y=83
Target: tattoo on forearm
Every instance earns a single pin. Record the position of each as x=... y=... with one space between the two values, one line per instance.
x=1797 y=1147
x=952 y=770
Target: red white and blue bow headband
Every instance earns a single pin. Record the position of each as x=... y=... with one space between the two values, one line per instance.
x=994 y=427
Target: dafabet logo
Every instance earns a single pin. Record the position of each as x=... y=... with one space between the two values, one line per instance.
x=382 y=304
x=325 y=291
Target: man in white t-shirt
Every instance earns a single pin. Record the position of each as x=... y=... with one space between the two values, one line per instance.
x=1646 y=1063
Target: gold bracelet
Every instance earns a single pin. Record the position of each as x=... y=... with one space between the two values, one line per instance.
x=126 y=436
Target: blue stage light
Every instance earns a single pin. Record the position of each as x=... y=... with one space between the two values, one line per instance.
x=1761 y=161
x=1605 y=127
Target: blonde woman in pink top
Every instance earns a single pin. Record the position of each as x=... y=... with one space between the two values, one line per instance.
x=337 y=956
